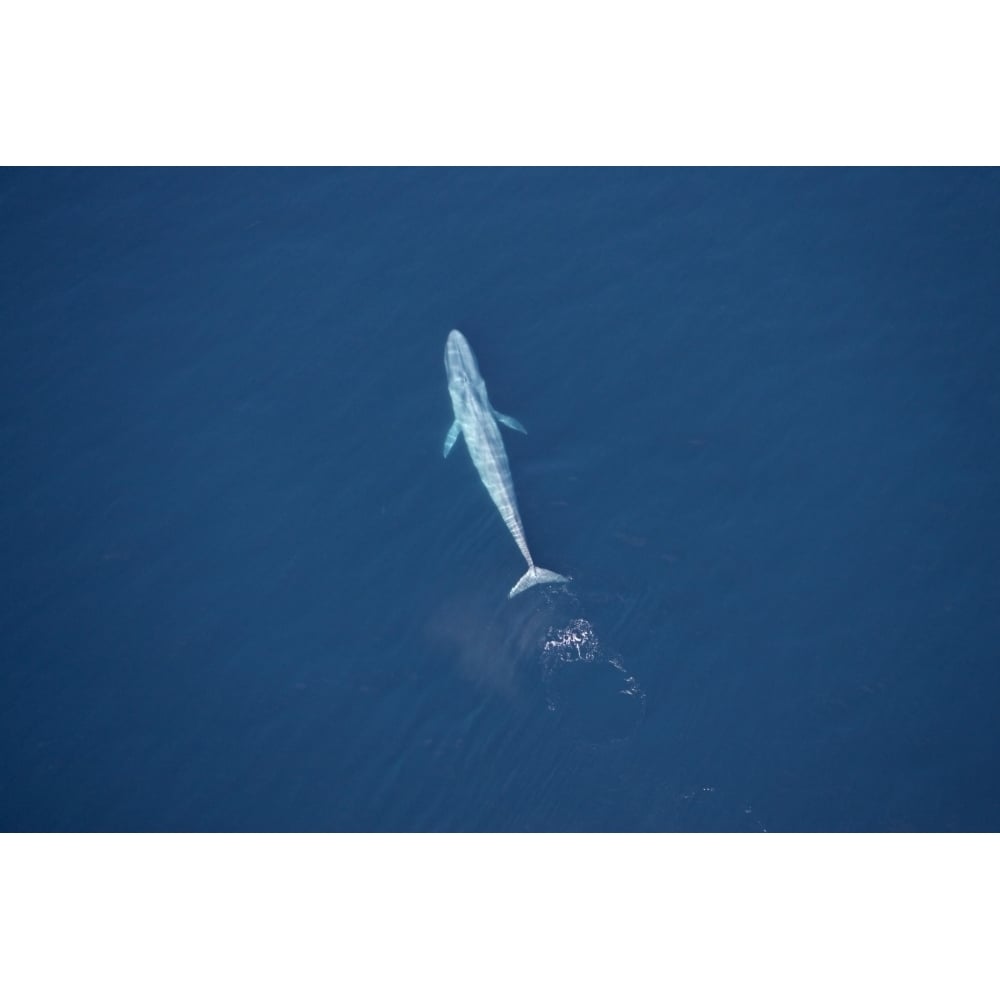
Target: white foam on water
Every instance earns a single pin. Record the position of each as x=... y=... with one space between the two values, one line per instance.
x=598 y=699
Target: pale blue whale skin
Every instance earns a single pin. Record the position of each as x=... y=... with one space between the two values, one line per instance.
x=476 y=421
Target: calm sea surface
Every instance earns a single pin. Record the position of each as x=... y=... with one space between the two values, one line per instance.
x=244 y=591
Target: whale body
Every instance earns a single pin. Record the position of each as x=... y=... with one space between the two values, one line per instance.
x=476 y=420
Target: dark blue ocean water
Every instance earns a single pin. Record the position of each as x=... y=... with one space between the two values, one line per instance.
x=244 y=591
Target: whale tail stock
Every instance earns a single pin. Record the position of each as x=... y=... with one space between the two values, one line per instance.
x=536 y=574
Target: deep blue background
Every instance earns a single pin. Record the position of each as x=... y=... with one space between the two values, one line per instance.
x=243 y=590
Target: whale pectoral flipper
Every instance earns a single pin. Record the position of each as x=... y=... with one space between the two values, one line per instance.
x=452 y=437
x=509 y=421
x=535 y=575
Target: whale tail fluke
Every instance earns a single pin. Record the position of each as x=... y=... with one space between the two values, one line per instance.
x=535 y=575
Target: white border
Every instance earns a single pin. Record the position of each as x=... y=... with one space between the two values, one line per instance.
x=522 y=83
x=461 y=916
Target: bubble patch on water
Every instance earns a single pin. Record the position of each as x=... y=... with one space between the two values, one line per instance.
x=575 y=641
x=597 y=698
